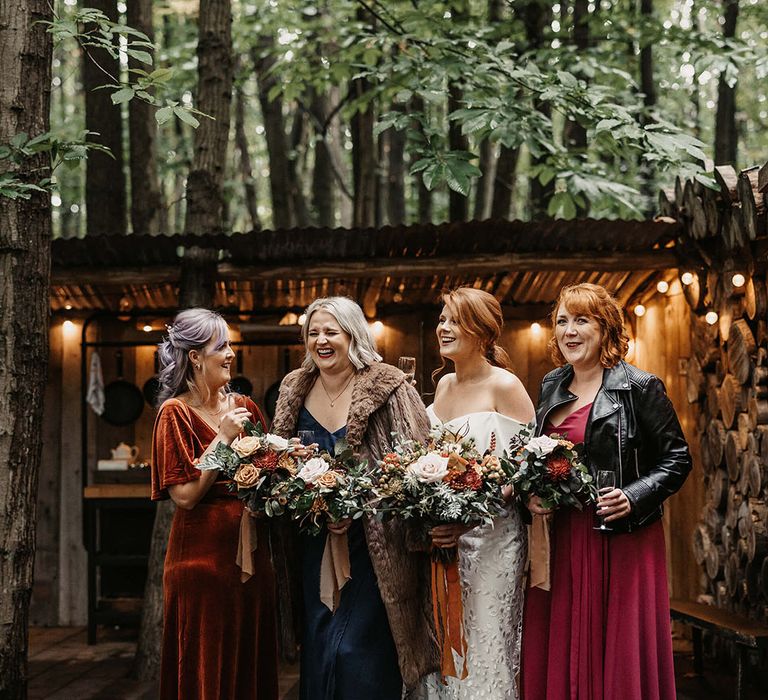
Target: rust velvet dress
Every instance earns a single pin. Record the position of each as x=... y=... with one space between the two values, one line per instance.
x=219 y=635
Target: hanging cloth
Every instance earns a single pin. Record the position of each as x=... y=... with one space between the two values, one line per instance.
x=95 y=395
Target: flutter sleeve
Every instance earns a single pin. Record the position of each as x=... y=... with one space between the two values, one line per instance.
x=175 y=447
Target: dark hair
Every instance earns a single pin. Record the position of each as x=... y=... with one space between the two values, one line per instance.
x=192 y=329
x=592 y=300
x=480 y=317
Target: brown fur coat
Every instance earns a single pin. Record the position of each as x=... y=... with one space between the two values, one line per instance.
x=383 y=402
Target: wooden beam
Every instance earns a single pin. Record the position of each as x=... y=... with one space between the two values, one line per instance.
x=486 y=263
x=118 y=276
x=372 y=294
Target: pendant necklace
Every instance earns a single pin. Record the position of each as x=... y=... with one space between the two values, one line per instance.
x=332 y=401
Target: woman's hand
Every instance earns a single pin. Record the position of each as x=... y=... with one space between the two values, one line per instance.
x=446 y=536
x=340 y=526
x=507 y=493
x=534 y=505
x=613 y=505
x=232 y=422
x=302 y=451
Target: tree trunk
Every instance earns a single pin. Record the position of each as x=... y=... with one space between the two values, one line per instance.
x=396 y=173
x=537 y=16
x=504 y=182
x=205 y=199
x=575 y=135
x=323 y=177
x=25 y=235
x=363 y=161
x=423 y=195
x=458 y=204
x=148 y=212
x=196 y=289
x=274 y=133
x=246 y=168
x=298 y=145
x=105 y=201
x=648 y=88
x=726 y=137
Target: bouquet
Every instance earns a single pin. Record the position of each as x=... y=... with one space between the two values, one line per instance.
x=259 y=465
x=444 y=481
x=326 y=488
x=551 y=468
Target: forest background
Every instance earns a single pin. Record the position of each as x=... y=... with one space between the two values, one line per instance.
x=509 y=109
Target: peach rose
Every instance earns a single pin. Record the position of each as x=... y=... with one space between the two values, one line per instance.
x=246 y=446
x=328 y=480
x=246 y=476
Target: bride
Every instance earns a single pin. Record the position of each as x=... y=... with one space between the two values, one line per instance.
x=483 y=398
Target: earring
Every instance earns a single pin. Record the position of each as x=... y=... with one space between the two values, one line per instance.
x=198 y=368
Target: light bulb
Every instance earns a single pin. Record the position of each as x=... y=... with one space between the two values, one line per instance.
x=147 y=328
x=535 y=327
x=302 y=319
x=687 y=278
x=711 y=318
x=377 y=327
x=639 y=310
x=738 y=280
x=662 y=286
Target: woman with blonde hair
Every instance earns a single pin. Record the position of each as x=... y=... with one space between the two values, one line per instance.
x=599 y=627
x=219 y=633
x=483 y=399
x=379 y=635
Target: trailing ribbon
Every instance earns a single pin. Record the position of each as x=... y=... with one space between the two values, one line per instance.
x=247 y=543
x=538 y=549
x=334 y=570
x=448 y=612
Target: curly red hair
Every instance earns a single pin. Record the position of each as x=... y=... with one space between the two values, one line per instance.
x=594 y=301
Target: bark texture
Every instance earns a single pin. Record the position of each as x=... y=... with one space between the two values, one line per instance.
x=205 y=200
x=726 y=136
x=148 y=212
x=105 y=200
x=25 y=234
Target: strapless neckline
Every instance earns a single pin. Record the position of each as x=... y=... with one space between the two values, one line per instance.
x=431 y=410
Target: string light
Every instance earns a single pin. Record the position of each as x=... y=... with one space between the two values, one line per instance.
x=639 y=310
x=377 y=327
x=662 y=286
x=687 y=278
x=302 y=319
x=711 y=317
x=738 y=280
x=146 y=328
x=535 y=327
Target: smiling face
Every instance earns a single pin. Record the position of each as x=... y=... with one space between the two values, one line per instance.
x=327 y=343
x=579 y=338
x=454 y=342
x=215 y=361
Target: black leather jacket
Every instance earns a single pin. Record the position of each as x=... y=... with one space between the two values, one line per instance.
x=633 y=430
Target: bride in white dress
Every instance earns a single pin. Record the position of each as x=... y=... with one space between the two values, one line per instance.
x=482 y=397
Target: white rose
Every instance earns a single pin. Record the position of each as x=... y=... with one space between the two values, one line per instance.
x=429 y=468
x=276 y=443
x=312 y=469
x=542 y=445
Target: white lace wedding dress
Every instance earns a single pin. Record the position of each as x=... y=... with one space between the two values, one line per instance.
x=491 y=561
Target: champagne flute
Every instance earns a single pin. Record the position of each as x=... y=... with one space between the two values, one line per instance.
x=407 y=365
x=606 y=481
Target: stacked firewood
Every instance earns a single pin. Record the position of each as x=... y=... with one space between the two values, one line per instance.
x=727 y=376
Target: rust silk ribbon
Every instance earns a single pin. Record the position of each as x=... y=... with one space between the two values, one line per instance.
x=448 y=611
x=538 y=551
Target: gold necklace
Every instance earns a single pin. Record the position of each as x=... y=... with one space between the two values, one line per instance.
x=332 y=401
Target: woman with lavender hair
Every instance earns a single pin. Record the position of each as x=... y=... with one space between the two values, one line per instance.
x=219 y=628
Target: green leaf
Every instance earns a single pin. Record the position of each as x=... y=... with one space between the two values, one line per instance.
x=121 y=96
x=186 y=117
x=163 y=115
x=142 y=56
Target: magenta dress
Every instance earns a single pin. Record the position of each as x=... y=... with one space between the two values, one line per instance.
x=603 y=631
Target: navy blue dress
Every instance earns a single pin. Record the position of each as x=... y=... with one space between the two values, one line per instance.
x=350 y=654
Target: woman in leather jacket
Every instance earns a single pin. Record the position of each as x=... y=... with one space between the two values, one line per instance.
x=598 y=625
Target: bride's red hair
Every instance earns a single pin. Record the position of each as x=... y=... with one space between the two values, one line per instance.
x=480 y=317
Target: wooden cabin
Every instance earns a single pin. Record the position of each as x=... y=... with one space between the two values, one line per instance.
x=114 y=295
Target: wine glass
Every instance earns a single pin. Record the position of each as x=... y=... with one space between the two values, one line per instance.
x=606 y=481
x=407 y=365
x=306 y=437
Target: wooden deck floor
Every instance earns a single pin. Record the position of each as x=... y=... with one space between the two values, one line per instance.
x=63 y=667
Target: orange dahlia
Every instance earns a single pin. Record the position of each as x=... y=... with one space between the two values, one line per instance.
x=558 y=468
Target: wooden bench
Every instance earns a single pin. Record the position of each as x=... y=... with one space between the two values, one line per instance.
x=745 y=633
